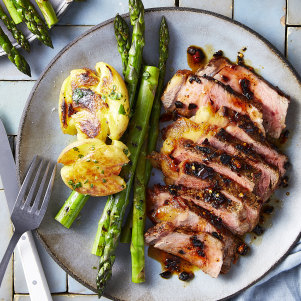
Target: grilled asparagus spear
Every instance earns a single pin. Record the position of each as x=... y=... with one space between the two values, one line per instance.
x=13 y=11
x=17 y=34
x=13 y=54
x=122 y=34
x=135 y=54
x=48 y=12
x=33 y=21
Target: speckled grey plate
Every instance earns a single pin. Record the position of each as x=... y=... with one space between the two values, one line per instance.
x=59 y=7
x=40 y=134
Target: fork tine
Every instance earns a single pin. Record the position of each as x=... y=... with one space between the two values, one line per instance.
x=33 y=185
x=22 y=191
x=41 y=188
x=44 y=204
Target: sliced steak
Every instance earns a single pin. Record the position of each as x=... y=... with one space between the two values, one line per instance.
x=230 y=166
x=221 y=139
x=238 y=208
x=200 y=249
x=187 y=92
x=163 y=206
x=244 y=80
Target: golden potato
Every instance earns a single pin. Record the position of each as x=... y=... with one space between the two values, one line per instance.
x=92 y=167
x=94 y=104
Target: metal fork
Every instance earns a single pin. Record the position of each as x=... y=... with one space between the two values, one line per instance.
x=31 y=204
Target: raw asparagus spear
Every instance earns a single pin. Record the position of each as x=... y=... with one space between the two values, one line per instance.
x=72 y=207
x=137 y=244
x=13 y=11
x=48 y=12
x=154 y=120
x=137 y=131
x=135 y=54
x=17 y=34
x=33 y=21
x=122 y=34
x=13 y=54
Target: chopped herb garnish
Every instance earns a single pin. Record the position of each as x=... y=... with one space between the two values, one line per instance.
x=75 y=149
x=70 y=182
x=91 y=185
x=80 y=156
x=95 y=161
x=104 y=181
x=87 y=181
x=88 y=160
x=77 y=95
x=126 y=151
x=102 y=172
x=121 y=110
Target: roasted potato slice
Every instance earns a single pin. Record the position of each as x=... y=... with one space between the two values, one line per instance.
x=92 y=167
x=94 y=104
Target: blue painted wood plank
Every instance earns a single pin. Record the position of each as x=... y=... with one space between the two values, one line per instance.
x=75 y=287
x=266 y=17
x=94 y=11
x=294 y=12
x=223 y=7
x=13 y=98
x=6 y=289
x=55 y=275
x=40 y=55
x=294 y=46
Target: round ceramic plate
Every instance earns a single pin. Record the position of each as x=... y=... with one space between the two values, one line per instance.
x=59 y=7
x=40 y=134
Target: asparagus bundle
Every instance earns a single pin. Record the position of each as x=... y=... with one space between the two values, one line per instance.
x=33 y=21
x=137 y=131
x=13 y=54
x=143 y=173
x=13 y=11
x=17 y=34
x=48 y=12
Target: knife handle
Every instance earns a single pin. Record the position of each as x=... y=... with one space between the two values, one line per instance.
x=34 y=274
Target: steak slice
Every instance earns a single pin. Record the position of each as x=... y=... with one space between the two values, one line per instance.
x=245 y=81
x=163 y=206
x=186 y=92
x=200 y=249
x=238 y=208
x=230 y=166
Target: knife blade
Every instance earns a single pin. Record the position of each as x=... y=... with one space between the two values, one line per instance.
x=33 y=271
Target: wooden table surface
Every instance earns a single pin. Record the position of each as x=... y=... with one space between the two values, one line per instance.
x=279 y=21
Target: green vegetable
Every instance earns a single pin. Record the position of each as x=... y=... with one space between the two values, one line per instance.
x=16 y=33
x=13 y=54
x=48 y=12
x=136 y=135
x=33 y=21
x=139 y=207
x=103 y=227
x=71 y=208
x=13 y=11
x=154 y=120
x=122 y=34
x=135 y=54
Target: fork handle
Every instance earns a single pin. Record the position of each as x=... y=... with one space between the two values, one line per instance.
x=9 y=251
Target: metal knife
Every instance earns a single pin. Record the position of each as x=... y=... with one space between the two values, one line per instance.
x=34 y=274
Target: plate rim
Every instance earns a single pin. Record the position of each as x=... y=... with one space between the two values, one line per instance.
x=97 y=27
